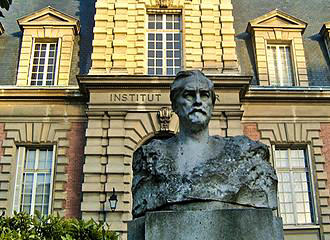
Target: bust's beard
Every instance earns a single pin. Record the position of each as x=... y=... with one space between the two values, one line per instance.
x=195 y=125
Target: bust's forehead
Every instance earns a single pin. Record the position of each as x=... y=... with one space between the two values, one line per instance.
x=195 y=83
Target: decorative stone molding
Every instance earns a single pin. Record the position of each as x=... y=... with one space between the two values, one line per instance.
x=279 y=27
x=164 y=3
x=164 y=117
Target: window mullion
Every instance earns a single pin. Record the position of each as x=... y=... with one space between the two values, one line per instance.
x=34 y=186
x=279 y=65
x=295 y=214
x=44 y=77
x=31 y=60
x=292 y=187
x=164 y=53
x=164 y=43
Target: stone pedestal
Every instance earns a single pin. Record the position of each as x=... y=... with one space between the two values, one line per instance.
x=226 y=224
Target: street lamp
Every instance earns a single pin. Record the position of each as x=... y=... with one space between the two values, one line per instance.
x=113 y=200
x=113 y=205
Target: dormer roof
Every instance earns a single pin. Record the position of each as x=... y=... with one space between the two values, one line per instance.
x=49 y=16
x=277 y=19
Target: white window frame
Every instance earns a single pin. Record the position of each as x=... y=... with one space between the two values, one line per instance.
x=20 y=160
x=163 y=31
x=279 y=63
x=35 y=41
x=312 y=186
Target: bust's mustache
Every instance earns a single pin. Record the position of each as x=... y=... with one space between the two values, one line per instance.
x=201 y=110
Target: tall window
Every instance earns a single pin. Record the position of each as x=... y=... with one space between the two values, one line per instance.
x=164 y=44
x=280 y=68
x=44 y=63
x=294 y=186
x=33 y=189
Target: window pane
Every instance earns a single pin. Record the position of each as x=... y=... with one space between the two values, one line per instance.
x=151 y=36
x=151 y=54
x=30 y=159
x=43 y=62
x=159 y=54
x=151 y=25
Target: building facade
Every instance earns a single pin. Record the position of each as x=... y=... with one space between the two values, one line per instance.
x=85 y=83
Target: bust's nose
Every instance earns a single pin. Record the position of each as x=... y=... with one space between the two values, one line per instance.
x=198 y=101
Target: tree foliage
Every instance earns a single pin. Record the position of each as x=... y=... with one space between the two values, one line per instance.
x=22 y=226
x=5 y=4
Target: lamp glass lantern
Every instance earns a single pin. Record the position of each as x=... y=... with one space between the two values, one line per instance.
x=113 y=200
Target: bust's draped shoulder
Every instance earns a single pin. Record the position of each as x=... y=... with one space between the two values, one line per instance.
x=236 y=170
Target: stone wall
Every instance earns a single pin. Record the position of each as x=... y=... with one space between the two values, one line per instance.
x=2 y=137
x=120 y=42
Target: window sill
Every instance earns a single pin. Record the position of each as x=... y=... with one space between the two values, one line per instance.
x=302 y=227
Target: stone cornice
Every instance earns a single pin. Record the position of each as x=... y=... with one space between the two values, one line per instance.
x=40 y=93
x=294 y=94
x=87 y=82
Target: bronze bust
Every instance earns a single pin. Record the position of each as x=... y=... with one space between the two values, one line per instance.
x=192 y=166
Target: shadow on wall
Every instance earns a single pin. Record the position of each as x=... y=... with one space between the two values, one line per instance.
x=244 y=36
x=86 y=13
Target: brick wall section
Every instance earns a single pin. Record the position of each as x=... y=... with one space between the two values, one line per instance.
x=2 y=137
x=325 y=136
x=251 y=130
x=75 y=154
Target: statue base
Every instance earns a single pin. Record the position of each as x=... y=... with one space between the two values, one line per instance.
x=224 y=224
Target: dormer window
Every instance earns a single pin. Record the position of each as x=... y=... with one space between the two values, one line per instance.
x=44 y=62
x=279 y=51
x=47 y=48
x=325 y=32
x=280 y=67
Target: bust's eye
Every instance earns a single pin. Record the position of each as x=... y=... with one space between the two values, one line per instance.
x=205 y=94
x=188 y=95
